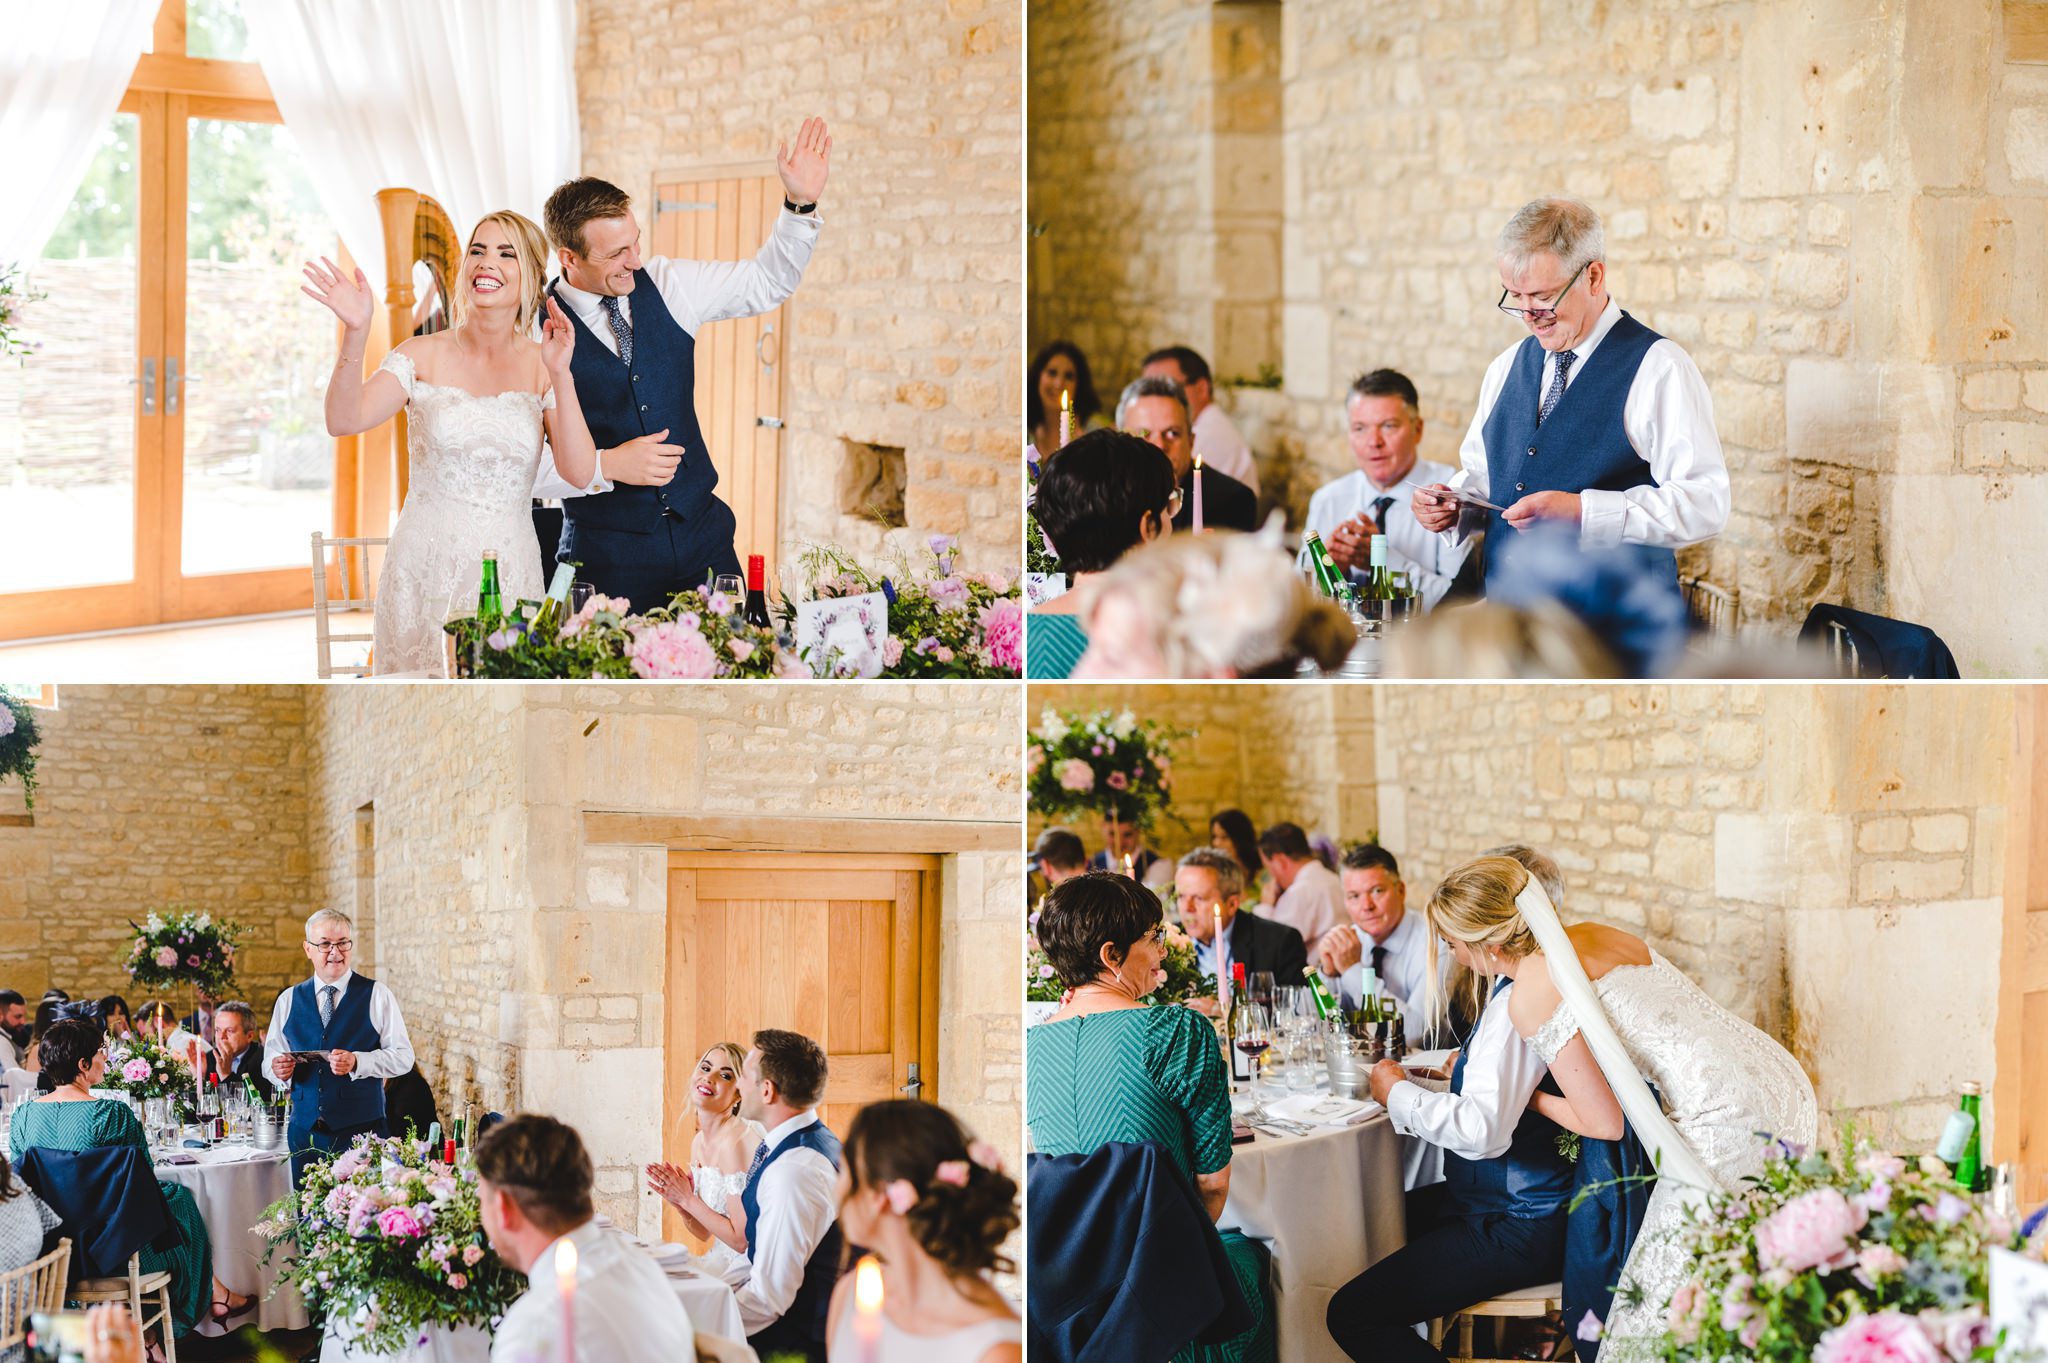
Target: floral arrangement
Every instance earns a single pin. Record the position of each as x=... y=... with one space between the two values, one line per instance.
x=698 y=635
x=1181 y=975
x=1102 y=763
x=143 y=1068
x=13 y=294
x=1859 y=1256
x=390 y=1240
x=953 y=624
x=18 y=740
x=185 y=948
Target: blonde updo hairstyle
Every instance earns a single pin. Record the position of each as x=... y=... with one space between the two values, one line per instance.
x=1475 y=905
x=532 y=250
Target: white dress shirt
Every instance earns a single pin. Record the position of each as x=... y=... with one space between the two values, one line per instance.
x=1501 y=1074
x=696 y=292
x=1406 y=976
x=10 y=1054
x=797 y=1204
x=1220 y=447
x=624 y=1310
x=393 y=1055
x=1430 y=560
x=1313 y=904
x=1668 y=417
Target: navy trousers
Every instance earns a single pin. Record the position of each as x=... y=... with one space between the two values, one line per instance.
x=648 y=569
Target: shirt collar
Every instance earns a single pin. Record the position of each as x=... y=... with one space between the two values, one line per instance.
x=541 y=1275
x=807 y=1117
x=1401 y=933
x=340 y=986
x=588 y=304
x=1584 y=349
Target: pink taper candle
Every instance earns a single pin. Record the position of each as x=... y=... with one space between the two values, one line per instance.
x=565 y=1279
x=1198 y=494
x=867 y=1308
x=1066 y=417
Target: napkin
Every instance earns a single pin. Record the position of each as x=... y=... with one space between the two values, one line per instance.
x=1322 y=1109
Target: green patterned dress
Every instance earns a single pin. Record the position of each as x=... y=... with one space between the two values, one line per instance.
x=1053 y=646
x=1146 y=1074
x=101 y=1122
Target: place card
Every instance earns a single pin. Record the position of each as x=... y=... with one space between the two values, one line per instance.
x=843 y=636
x=2019 y=1304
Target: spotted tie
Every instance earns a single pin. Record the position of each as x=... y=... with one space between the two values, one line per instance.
x=328 y=994
x=622 y=330
x=1557 y=381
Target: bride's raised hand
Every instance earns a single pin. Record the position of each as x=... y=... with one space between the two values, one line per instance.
x=557 y=339
x=346 y=299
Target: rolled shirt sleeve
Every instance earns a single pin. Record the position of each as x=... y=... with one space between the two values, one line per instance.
x=393 y=1056
x=1501 y=1073
x=1669 y=418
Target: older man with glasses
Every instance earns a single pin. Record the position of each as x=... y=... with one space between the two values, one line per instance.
x=335 y=1038
x=1155 y=409
x=1592 y=421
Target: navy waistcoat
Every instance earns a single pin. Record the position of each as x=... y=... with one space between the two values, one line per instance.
x=658 y=393
x=804 y=1321
x=1581 y=447
x=1531 y=1180
x=318 y=1093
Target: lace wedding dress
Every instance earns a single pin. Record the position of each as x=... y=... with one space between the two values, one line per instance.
x=717 y=1188
x=473 y=462
x=1722 y=1081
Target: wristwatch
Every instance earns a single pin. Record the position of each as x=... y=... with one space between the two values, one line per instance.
x=797 y=207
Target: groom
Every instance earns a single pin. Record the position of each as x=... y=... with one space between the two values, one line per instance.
x=658 y=528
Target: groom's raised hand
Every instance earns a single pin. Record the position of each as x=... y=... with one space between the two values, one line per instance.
x=803 y=163
x=643 y=461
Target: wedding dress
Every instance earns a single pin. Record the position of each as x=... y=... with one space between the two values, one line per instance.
x=717 y=1188
x=473 y=461
x=1726 y=1087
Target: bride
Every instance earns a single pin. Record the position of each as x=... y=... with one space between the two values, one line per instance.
x=479 y=395
x=1607 y=1014
x=721 y=1153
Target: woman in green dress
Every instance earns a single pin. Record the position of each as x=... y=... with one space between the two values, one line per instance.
x=1102 y=495
x=68 y=1117
x=1107 y=1067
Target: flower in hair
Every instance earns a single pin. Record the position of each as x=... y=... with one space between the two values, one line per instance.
x=953 y=1171
x=902 y=1197
x=986 y=1155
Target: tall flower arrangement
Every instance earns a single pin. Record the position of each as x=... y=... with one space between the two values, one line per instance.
x=143 y=1067
x=185 y=948
x=1100 y=763
x=18 y=740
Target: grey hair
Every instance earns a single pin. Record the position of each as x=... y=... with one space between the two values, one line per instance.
x=328 y=916
x=1567 y=228
x=1537 y=864
x=240 y=1010
x=1229 y=875
x=1151 y=386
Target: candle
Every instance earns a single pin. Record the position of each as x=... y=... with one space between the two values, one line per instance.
x=1066 y=417
x=1130 y=866
x=565 y=1279
x=867 y=1308
x=1198 y=494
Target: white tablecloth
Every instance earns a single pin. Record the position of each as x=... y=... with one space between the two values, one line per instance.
x=233 y=1185
x=1329 y=1206
x=710 y=1305
x=443 y=1345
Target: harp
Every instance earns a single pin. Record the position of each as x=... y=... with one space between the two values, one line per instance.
x=421 y=255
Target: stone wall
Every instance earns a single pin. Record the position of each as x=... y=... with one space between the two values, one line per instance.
x=1826 y=861
x=1832 y=205
x=152 y=796
x=905 y=328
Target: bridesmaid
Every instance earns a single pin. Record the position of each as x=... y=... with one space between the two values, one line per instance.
x=721 y=1153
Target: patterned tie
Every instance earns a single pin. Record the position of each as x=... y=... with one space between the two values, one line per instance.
x=622 y=332
x=760 y=1158
x=328 y=993
x=1564 y=367
x=1379 y=514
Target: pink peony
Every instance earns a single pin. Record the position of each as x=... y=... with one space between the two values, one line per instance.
x=1076 y=775
x=1886 y=1337
x=135 y=1071
x=1814 y=1230
x=669 y=650
x=398 y=1223
x=166 y=957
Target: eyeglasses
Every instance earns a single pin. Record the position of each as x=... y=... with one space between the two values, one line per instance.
x=1173 y=504
x=1542 y=314
x=332 y=948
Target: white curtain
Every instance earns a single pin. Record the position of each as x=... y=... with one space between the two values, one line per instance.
x=63 y=69
x=470 y=101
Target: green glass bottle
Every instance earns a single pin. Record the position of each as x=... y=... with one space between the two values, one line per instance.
x=1326 y=1006
x=1381 y=605
x=554 y=608
x=1323 y=570
x=1961 y=1144
x=490 y=603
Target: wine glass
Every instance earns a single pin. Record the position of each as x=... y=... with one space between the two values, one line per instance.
x=580 y=593
x=1261 y=986
x=728 y=584
x=1251 y=1031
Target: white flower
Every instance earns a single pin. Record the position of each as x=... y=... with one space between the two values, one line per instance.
x=203 y=920
x=1124 y=726
x=155 y=923
x=1051 y=727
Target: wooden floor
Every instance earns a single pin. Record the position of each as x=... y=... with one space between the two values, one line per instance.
x=249 y=1346
x=266 y=650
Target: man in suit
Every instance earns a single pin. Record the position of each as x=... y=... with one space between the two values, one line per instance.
x=235 y=1049
x=200 y=1021
x=1210 y=885
x=1156 y=411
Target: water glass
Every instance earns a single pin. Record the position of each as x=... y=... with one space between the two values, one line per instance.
x=735 y=594
x=580 y=593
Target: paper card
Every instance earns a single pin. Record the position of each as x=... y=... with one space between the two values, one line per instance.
x=1463 y=496
x=843 y=636
x=1040 y=588
x=2019 y=1304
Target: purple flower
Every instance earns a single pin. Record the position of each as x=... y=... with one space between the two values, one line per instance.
x=500 y=639
x=1589 y=1327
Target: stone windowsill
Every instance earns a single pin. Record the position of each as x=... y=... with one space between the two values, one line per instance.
x=14 y=808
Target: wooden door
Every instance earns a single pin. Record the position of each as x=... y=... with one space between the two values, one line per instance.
x=2019 y=1106
x=739 y=361
x=830 y=945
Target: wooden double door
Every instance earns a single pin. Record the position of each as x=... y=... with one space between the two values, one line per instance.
x=841 y=947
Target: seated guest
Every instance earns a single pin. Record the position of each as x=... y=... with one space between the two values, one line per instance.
x=1210 y=885
x=1384 y=949
x=1385 y=419
x=722 y=1150
x=47 y=1012
x=199 y=1021
x=114 y=1013
x=1058 y=855
x=236 y=1051
x=24 y=1220
x=15 y=1031
x=1107 y=1068
x=1099 y=497
x=1156 y=411
x=1232 y=831
x=68 y=1117
x=935 y=1208
x=1221 y=605
x=533 y=1190
x=1311 y=897
x=790 y=1199
x=1216 y=437
x=1058 y=367
x=1123 y=839
x=157 y=1020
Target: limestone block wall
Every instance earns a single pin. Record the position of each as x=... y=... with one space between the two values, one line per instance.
x=151 y=796
x=1826 y=861
x=905 y=328
x=1277 y=751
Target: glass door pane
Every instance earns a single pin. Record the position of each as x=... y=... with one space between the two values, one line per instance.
x=67 y=406
x=258 y=462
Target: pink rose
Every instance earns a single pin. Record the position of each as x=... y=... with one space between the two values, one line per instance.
x=398 y=1223
x=1736 y=1306
x=1076 y=775
x=458 y=1281
x=1877 y=1164
x=1886 y=1337
x=1814 y=1230
x=472 y=1254
x=192 y=961
x=741 y=650
x=943 y=654
x=1034 y=758
x=166 y=957
x=1002 y=633
x=1878 y=1261
x=1682 y=1318
x=135 y=1071
x=1119 y=781
x=892 y=651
